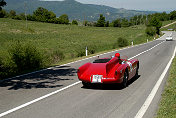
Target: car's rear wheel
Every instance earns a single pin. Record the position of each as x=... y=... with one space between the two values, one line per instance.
x=125 y=80
x=85 y=84
x=137 y=70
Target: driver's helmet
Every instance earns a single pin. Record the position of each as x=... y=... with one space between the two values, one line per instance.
x=117 y=55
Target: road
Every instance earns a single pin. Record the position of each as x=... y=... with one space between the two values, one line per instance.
x=96 y=102
x=169 y=24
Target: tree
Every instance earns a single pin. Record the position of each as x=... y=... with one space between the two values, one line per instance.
x=151 y=31
x=43 y=15
x=125 y=23
x=74 y=22
x=117 y=23
x=173 y=15
x=107 y=24
x=12 y=13
x=156 y=23
x=2 y=13
x=63 y=19
x=101 y=21
x=2 y=3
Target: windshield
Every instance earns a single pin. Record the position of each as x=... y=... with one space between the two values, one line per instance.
x=102 y=60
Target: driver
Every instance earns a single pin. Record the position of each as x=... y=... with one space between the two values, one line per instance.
x=118 y=56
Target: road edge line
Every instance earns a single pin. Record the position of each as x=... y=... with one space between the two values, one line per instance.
x=152 y=94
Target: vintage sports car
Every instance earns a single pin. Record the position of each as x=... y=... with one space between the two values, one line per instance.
x=108 y=70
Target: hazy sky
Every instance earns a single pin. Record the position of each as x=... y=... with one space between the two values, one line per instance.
x=155 y=5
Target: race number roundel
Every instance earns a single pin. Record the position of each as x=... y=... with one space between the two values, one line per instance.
x=130 y=64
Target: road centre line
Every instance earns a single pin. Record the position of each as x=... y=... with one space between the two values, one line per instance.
x=57 y=91
x=149 y=99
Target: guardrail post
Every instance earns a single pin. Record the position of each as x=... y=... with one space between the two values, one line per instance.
x=86 y=51
x=147 y=40
x=132 y=43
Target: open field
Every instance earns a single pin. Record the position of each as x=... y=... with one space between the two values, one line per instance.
x=167 y=108
x=173 y=26
x=167 y=22
x=69 y=39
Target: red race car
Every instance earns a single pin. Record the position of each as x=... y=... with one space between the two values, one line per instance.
x=108 y=70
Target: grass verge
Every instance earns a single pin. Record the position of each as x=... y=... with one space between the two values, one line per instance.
x=167 y=107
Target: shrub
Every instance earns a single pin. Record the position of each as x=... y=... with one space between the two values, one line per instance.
x=12 y=13
x=2 y=13
x=7 y=68
x=26 y=57
x=151 y=31
x=91 y=49
x=63 y=19
x=81 y=53
x=107 y=24
x=17 y=17
x=122 y=42
x=2 y=69
x=56 y=56
x=86 y=23
x=116 y=23
x=74 y=22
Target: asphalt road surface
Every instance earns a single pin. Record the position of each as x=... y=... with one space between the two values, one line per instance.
x=110 y=101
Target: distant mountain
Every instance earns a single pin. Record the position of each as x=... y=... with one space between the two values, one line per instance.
x=73 y=9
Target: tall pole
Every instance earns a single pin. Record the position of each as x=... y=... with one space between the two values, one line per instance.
x=25 y=9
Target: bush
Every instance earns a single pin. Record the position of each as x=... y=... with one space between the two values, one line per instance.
x=151 y=31
x=12 y=13
x=57 y=56
x=7 y=68
x=116 y=23
x=26 y=57
x=2 y=13
x=63 y=19
x=17 y=17
x=122 y=42
x=81 y=53
x=74 y=22
x=91 y=49
x=2 y=69
x=107 y=24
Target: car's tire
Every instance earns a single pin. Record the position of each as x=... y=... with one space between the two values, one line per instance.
x=85 y=84
x=125 y=79
x=137 y=70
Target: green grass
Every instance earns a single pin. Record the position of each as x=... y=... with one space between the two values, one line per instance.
x=173 y=26
x=167 y=22
x=69 y=39
x=167 y=107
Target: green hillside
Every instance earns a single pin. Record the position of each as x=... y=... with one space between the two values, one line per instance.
x=69 y=39
x=73 y=9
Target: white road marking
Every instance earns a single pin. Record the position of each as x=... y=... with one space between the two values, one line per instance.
x=149 y=99
x=38 y=99
x=146 y=50
x=57 y=91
